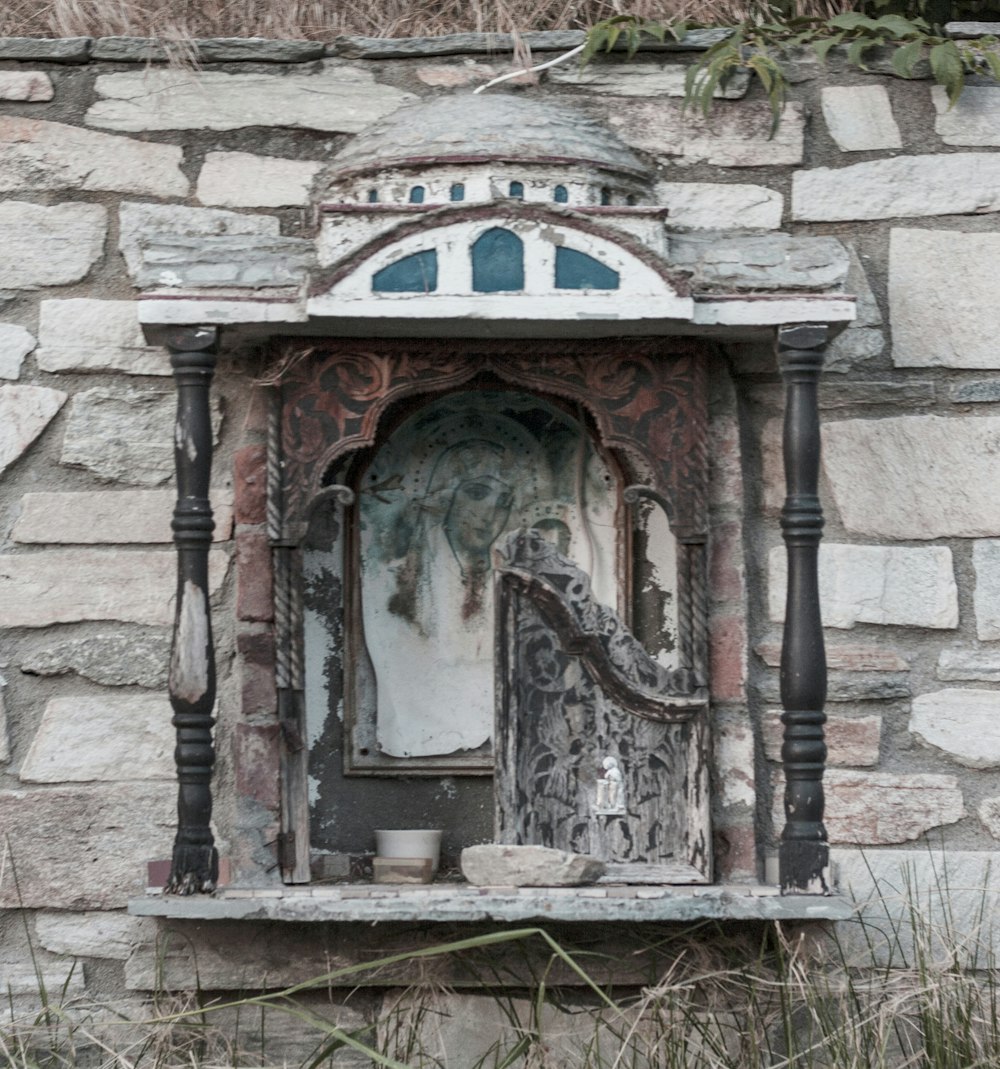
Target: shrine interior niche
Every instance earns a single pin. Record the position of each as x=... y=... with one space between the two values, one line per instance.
x=452 y=679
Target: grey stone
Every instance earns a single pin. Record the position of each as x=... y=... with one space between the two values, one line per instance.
x=859 y=117
x=123 y=435
x=989 y=814
x=902 y=585
x=734 y=135
x=244 y=180
x=48 y=49
x=25 y=411
x=496 y=865
x=850 y=740
x=238 y=261
x=29 y=86
x=944 y=292
x=968 y=30
x=983 y=390
x=92 y=934
x=15 y=344
x=85 y=847
x=49 y=245
x=853 y=348
x=964 y=723
x=113 y=659
x=62 y=586
x=141 y=224
x=336 y=99
x=973 y=120
x=959 y=663
x=895 y=477
x=986 y=599
x=896 y=395
x=879 y=808
x=110 y=516
x=206 y=50
x=849 y=688
x=641 y=80
x=4 y=740
x=776 y=261
x=959 y=183
x=40 y=155
x=87 y=335
x=107 y=738
x=720 y=205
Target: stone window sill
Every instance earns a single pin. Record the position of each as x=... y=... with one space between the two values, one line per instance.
x=459 y=902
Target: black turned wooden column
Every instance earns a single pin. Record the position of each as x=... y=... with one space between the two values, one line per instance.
x=803 y=853
x=195 y=866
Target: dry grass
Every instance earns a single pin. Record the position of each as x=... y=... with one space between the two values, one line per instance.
x=325 y=19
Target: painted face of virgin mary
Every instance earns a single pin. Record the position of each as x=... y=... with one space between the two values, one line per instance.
x=477 y=514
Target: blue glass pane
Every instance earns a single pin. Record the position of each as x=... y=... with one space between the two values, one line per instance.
x=497 y=262
x=605 y=195
x=417 y=195
x=559 y=195
x=413 y=274
x=578 y=271
x=372 y=196
x=517 y=189
x=458 y=191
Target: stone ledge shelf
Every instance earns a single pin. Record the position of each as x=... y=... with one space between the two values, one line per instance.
x=458 y=902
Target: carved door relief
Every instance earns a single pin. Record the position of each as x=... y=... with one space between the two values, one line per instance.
x=447 y=446
x=600 y=750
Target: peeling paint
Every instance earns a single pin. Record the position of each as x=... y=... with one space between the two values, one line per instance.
x=189 y=659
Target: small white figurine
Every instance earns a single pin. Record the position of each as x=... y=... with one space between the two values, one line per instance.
x=610 y=787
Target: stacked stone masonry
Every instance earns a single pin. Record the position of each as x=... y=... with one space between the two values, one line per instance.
x=872 y=186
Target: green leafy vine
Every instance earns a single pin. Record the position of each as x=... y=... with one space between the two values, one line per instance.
x=760 y=45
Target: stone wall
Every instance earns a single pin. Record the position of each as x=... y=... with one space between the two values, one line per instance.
x=99 y=147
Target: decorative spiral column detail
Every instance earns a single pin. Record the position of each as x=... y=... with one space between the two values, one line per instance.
x=803 y=853
x=195 y=864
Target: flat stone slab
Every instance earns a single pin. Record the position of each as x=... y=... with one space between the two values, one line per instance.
x=25 y=411
x=15 y=344
x=435 y=903
x=859 y=117
x=496 y=865
x=986 y=597
x=764 y=262
x=207 y=50
x=720 y=205
x=964 y=663
x=81 y=334
x=50 y=49
x=29 y=86
x=114 y=659
x=963 y=722
x=974 y=120
x=49 y=245
x=245 y=180
x=335 y=99
x=640 y=80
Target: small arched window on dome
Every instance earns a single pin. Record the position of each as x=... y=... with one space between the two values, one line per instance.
x=417 y=195
x=517 y=190
x=373 y=196
x=457 y=191
x=497 y=262
x=560 y=195
x=416 y=273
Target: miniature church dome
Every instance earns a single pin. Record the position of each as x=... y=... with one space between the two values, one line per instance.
x=498 y=127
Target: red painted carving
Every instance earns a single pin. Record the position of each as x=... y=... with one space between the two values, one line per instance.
x=647 y=399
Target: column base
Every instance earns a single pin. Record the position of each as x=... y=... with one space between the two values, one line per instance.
x=804 y=868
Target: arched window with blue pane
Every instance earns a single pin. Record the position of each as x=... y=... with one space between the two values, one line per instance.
x=497 y=262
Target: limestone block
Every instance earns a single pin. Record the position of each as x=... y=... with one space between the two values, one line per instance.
x=986 y=599
x=764 y=262
x=336 y=99
x=4 y=740
x=965 y=723
x=984 y=391
x=70 y=585
x=925 y=902
x=88 y=335
x=32 y=86
x=25 y=411
x=40 y=155
x=734 y=762
x=15 y=344
x=902 y=585
x=878 y=808
x=640 y=80
x=496 y=865
x=122 y=49
x=850 y=740
x=112 y=738
x=49 y=246
x=845 y=658
x=103 y=516
x=85 y=847
x=848 y=688
x=243 y=180
x=731 y=136
x=718 y=205
x=49 y=49
x=241 y=261
x=92 y=934
x=975 y=118
x=944 y=296
x=859 y=117
x=959 y=183
x=123 y=435
x=989 y=814
x=114 y=659
x=966 y=663
x=895 y=477
x=139 y=224
x=853 y=348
